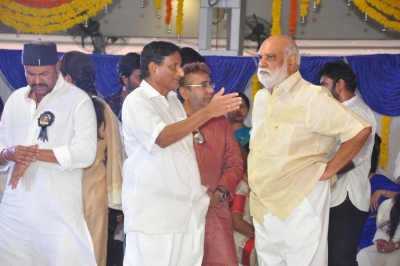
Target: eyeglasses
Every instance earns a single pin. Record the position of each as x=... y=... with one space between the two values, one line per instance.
x=203 y=86
x=198 y=137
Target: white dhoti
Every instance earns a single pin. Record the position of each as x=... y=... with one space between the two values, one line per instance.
x=301 y=239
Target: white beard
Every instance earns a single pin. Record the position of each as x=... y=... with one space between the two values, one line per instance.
x=272 y=78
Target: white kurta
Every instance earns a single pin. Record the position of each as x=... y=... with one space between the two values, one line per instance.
x=356 y=181
x=161 y=188
x=42 y=220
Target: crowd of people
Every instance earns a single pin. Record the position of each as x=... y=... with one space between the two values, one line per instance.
x=167 y=172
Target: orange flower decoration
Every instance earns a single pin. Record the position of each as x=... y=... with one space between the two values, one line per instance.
x=168 y=3
x=293 y=18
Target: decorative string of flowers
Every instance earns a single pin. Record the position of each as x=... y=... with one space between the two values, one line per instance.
x=276 y=17
x=378 y=11
x=179 y=17
x=385 y=132
x=293 y=18
x=43 y=3
x=157 y=4
x=304 y=8
x=256 y=85
x=48 y=20
x=168 y=4
x=386 y=8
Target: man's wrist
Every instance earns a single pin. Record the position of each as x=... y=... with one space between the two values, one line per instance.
x=383 y=193
x=4 y=154
x=224 y=194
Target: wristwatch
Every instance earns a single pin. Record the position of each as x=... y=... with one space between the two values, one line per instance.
x=224 y=195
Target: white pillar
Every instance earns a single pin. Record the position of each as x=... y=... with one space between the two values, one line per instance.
x=234 y=42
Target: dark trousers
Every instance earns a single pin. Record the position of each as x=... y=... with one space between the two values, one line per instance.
x=345 y=227
x=115 y=249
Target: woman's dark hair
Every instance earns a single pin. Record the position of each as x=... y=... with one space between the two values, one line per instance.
x=394 y=220
x=245 y=99
x=375 y=154
x=81 y=69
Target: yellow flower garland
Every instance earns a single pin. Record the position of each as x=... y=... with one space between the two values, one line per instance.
x=48 y=20
x=382 y=15
x=157 y=4
x=256 y=85
x=385 y=132
x=385 y=8
x=304 y=8
x=179 y=17
x=276 y=17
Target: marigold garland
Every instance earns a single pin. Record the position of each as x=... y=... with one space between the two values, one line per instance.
x=179 y=17
x=304 y=8
x=256 y=85
x=276 y=17
x=168 y=4
x=382 y=15
x=48 y=20
x=293 y=17
x=157 y=4
x=385 y=132
x=385 y=8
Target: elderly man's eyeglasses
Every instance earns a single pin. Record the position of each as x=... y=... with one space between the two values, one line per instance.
x=203 y=86
x=198 y=137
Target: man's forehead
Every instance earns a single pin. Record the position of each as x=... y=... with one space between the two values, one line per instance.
x=39 y=69
x=173 y=58
x=198 y=76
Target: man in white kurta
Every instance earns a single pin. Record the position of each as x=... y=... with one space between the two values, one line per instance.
x=163 y=200
x=41 y=214
x=350 y=195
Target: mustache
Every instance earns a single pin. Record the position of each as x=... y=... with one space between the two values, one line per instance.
x=263 y=69
x=40 y=84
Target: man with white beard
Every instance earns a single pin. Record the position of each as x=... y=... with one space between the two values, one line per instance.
x=295 y=125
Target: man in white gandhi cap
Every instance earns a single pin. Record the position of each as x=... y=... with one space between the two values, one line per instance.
x=42 y=221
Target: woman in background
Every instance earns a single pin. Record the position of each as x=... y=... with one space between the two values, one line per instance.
x=102 y=181
x=237 y=117
x=385 y=251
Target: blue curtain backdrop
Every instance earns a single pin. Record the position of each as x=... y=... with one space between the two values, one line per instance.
x=378 y=76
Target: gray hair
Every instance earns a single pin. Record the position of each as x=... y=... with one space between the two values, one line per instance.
x=292 y=50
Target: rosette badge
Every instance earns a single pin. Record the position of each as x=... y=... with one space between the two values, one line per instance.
x=45 y=120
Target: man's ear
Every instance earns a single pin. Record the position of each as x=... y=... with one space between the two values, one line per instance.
x=292 y=62
x=124 y=80
x=340 y=85
x=58 y=65
x=184 y=92
x=152 y=68
x=68 y=78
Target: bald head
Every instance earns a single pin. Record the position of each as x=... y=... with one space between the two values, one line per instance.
x=282 y=46
x=279 y=58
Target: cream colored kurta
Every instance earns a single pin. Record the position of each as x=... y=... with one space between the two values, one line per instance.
x=293 y=130
x=97 y=178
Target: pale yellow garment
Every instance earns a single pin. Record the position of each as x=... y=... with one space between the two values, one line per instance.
x=101 y=182
x=293 y=130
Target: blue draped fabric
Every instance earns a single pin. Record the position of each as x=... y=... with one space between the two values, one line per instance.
x=378 y=181
x=231 y=72
x=378 y=76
